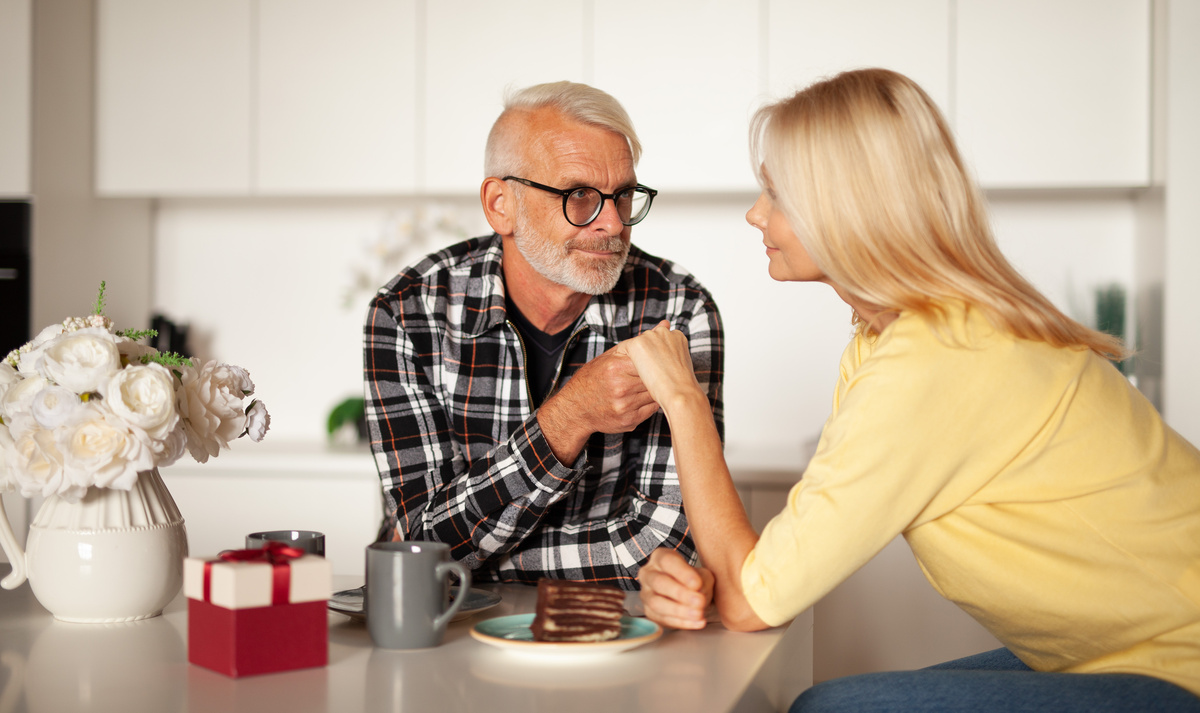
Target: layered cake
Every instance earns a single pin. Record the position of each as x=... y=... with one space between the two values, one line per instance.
x=577 y=611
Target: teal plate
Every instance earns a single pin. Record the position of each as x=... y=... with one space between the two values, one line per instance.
x=512 y=632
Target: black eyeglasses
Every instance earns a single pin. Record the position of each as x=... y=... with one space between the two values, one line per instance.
x=582 y=205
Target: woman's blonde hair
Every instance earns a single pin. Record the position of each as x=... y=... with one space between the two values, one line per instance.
x=867 y=173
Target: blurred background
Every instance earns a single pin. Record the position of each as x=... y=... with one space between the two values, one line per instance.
x=250 y=171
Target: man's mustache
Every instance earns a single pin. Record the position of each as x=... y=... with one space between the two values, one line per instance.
x=613 y=244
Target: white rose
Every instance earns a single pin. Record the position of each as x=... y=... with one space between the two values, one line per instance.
x=31 y=352
x=102 y=451
x=242 y=378
x=38 y=467
x=144 y=396
x=19 y=396
x=8 y=377
x=258 y=421
x=210 y=404
x=54 y=406
x=20 y=424
x=171 y=448
x=81 y=360
x=132 y=351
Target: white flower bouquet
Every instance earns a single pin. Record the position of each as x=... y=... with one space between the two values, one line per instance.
x=86 y=405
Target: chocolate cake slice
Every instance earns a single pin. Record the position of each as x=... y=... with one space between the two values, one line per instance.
x=577 y=611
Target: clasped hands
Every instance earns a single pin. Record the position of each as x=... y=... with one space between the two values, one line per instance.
x=618 y=390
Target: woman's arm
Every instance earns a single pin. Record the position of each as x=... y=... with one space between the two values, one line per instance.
x=718 y=523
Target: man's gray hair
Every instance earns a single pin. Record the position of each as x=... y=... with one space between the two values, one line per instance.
x=587 y=105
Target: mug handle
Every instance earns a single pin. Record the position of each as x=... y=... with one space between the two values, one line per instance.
x=464 y=587
x=12 y=550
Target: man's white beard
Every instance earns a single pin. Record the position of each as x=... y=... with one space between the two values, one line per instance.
x=588 y=275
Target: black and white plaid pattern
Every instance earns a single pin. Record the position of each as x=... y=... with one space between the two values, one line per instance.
x=460 y=454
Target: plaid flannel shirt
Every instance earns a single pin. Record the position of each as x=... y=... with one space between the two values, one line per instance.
x=460 y=454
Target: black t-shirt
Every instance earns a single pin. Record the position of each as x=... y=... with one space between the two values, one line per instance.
x=542 y=352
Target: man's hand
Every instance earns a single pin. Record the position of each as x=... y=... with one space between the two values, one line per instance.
x=674 y=593
x=604 y=396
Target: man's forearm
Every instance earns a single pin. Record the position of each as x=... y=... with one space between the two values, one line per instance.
x=485 y=511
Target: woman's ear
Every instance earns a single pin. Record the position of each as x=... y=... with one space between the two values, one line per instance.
x=499 y=205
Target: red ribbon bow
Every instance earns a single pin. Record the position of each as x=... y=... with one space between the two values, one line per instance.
x=277 y=554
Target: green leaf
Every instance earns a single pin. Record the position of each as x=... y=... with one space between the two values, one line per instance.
x=347 y=411
x=99 y=309
x=136 y=334
x=167 y=359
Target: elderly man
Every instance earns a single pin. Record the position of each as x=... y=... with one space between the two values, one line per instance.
x=502 y=421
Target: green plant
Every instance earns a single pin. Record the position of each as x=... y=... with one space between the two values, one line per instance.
x=1110 y=313
x=352 y=410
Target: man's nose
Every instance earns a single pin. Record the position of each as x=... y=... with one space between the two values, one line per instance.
x=609 y=219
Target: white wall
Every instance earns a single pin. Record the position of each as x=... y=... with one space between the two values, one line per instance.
x=78 y=239
x=1182 y=250
x=262 y=284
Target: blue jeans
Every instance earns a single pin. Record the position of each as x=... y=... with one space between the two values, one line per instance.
x=991 y=682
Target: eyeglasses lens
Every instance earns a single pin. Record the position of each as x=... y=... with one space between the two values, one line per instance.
x=584 y=205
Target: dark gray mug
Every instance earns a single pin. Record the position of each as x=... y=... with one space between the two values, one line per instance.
x=310 y=541
x=407 y=599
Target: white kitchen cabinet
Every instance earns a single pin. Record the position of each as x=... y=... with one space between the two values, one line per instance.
x=690 y=103
x=335 y=97
x=15 y=110
x=256 y=97
x=384 y=97
x=173 y=97
x=809 y=40
x=1054 y=94
x=474 y=51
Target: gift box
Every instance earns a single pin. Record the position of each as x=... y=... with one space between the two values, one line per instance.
x=258 y=611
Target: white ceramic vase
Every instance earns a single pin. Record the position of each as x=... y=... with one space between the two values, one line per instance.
x=113 y=556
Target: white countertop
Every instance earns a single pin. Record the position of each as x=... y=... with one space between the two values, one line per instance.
x=47 y=666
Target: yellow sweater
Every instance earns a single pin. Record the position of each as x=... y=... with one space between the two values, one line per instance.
x=1039 y=491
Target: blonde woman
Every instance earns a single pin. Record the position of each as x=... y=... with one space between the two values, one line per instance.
x=1038 y=490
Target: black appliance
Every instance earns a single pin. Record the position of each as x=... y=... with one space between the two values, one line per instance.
x=16 y=296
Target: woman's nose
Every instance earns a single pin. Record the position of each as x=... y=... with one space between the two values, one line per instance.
x=754 y=216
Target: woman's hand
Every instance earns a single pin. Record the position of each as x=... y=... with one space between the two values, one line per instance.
x=663 y=363
x=674 y=593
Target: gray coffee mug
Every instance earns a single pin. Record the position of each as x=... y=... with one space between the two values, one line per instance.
x=407 y=598
x=310 y=541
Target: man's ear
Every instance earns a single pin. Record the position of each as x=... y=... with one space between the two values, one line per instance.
x=499 y=205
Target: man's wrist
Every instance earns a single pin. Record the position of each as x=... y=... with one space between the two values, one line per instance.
x=565 y=435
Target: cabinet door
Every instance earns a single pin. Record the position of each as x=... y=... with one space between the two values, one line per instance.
x=474 y=50
x=15 y=81
x=688 y=73
x=1055 y=93
x=173 y=97
x=335 y=96
x=810 y=40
